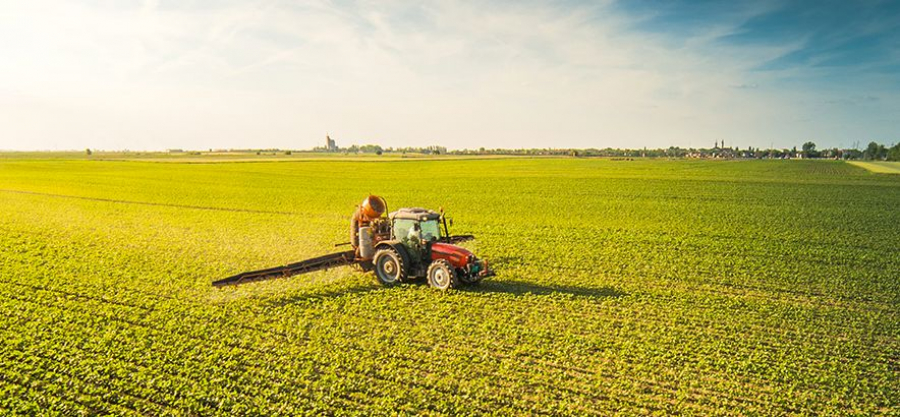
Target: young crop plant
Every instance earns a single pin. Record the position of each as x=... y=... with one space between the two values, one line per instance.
x=622 y=288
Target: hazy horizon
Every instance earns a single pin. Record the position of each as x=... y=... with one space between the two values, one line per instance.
x=272 y=74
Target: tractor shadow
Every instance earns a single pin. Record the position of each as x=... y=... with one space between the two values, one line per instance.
x=512 y=287
x=520 y=288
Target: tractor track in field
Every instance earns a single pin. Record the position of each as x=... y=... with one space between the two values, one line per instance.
x=34 y=360
x=152 y=204
x=665 y=387
x=130 y=362
x=156 y=403
x=267 y=375
x=75 y=297
x=70 y=363
x=693 y=394
x=745 y=380
x=583 y=392
x=581 y=387
x=35 y=391
x=65 y=368
x=662 y=387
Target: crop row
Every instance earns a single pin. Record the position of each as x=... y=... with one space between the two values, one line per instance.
x=669 y=288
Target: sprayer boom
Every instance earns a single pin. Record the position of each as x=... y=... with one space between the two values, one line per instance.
x=297 y=268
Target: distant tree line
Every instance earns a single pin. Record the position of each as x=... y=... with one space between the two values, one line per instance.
x=873 y=152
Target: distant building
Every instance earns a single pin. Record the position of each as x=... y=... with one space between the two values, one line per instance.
x=330 y=146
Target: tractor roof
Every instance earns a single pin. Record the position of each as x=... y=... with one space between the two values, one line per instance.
x=415 y=213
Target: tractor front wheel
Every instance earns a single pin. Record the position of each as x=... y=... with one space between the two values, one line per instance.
x=389 y=268
x=441 y=275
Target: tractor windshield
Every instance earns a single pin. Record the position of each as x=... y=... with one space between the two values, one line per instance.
x=426 y=229
x=431 y=230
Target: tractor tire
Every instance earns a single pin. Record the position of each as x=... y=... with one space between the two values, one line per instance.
x=389 y=268
x=442 y=276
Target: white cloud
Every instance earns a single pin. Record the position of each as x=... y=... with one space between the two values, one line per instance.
x=273 y=74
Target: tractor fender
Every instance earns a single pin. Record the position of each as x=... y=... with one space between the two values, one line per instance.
x=397 y=246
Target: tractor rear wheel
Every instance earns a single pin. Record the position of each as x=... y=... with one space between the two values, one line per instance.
x=441 y=275
x=389 y=268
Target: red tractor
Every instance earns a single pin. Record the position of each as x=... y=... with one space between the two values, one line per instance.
x=409 y=243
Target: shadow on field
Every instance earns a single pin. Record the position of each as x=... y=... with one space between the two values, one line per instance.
x=315 y=295
x=517 y=288
x=525 y=288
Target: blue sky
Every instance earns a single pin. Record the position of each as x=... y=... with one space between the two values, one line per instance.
x=239 y=74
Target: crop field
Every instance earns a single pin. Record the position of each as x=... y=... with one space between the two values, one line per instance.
x=622 y=287
x=881 y=167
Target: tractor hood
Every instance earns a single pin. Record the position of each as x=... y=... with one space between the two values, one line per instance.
x=457 y=256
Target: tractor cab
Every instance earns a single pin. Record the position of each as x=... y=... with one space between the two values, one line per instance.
x=415 y=227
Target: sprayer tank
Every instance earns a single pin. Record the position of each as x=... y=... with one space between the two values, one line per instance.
x=371 y=208
x=366 y=246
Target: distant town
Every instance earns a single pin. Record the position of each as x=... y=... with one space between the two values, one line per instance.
x=719 y=150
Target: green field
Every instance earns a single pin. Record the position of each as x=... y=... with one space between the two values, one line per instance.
x=880 y=167
x=632 y=287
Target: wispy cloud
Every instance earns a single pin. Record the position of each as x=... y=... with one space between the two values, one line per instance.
x=271 y=73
